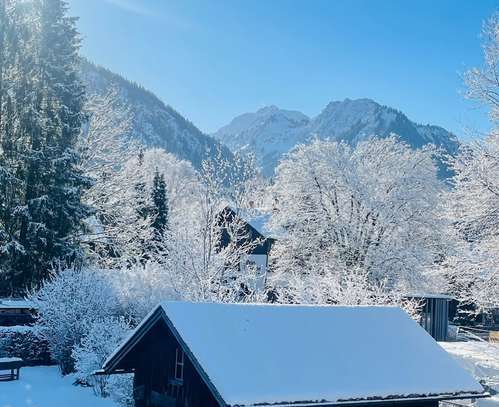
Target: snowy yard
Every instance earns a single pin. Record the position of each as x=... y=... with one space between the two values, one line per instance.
x=482 y=360
x=44 y=387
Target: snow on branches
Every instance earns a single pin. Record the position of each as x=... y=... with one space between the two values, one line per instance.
x=68 y=305
x=472 y=271
x=102 y=338
x=483 y=83
x=355 y=222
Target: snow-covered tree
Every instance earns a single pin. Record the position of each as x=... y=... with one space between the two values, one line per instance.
x=355 y=222
x=238 y=181
x=16 y=65
x=181 y=182
x=106 y=151
x=483 y=83
x=472 y=271
x=472 y=274
x=140 y=287
x=122 y=229
x=199 y=269
x=44 y=104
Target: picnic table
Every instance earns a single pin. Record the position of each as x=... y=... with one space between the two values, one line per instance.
x=12 y=364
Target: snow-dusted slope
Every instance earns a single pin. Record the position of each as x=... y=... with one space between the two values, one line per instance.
x=268 y=133
x=155 y=124
x=272 y=132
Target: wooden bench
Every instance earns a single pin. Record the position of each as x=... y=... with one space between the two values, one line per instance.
x=12 y=364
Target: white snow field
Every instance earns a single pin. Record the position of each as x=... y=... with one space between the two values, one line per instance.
x=43 y=386
x=481 y=359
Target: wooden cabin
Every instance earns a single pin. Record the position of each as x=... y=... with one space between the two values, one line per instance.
x=228 y=355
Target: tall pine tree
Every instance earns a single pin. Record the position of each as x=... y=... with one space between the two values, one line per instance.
x=47 y=101
x=17 y=114
x=159 y=205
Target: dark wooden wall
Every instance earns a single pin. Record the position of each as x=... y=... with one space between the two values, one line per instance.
x=153 y=360
x=435 y=317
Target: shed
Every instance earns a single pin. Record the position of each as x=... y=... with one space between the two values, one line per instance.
x=204 y=355
x=434 y=314
x=16 y=312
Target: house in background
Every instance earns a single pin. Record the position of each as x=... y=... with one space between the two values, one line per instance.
x=228 y=355
x=255 y=236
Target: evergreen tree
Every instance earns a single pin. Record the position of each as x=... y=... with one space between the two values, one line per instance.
x=42 y=209
x=17 y=114
x=160 y=208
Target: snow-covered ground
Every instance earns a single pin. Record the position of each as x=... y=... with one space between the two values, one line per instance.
x=482 y=360
x=43 y=386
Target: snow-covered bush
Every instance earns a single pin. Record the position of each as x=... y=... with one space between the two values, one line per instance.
x=89 y=355
x=68 y=305
x=120 y=389
x=139 y=288
x=353 y=288
x=25 y=342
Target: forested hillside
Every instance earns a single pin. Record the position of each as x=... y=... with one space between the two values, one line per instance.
x=153 y=123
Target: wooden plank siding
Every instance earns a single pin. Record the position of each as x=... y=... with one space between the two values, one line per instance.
x=153 y=362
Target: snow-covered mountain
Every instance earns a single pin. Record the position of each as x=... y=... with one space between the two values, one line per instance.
x=271 y=132
x=155 y=124
x=268 y=133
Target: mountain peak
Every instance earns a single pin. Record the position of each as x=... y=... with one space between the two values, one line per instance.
x=267 y=109
x=271 y=132
x=363 y=104
x=273 y=110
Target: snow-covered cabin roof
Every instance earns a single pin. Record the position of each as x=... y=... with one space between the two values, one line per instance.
x=257 y=218
x=259 y=222
x=430 y=295
x=286 y=354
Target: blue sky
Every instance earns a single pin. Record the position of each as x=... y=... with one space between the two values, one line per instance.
x=212 y=60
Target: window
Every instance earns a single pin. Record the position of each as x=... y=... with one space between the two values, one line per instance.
x=179 y=364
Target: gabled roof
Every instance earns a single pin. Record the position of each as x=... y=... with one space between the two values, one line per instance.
x=272 y=354
x=255 y=218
